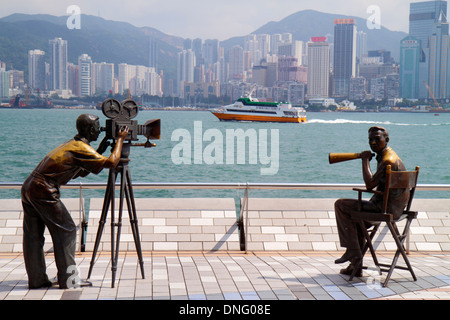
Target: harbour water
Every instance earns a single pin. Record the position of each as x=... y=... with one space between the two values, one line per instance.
x=295 y=153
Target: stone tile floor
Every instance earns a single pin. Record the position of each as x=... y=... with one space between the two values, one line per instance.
x=232 y=276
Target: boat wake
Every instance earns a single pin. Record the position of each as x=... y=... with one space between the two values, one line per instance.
x=346 y=121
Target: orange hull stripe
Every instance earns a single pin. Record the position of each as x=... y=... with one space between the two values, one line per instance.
x=238 y=117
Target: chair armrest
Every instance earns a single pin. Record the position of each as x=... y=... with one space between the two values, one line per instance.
x=360 y=191
x=368 y=191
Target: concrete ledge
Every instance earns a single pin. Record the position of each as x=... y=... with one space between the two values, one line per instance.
x=210 y=224
x=310 y=224
x=11 y=221
x=172 y=224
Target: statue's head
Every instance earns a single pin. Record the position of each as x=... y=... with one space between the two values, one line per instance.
x=378 y=138
x=88 y=127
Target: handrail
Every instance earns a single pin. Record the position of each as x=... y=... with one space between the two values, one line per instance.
x=228 y=185
x=243 y=227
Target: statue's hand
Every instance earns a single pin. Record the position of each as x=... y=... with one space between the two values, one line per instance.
x=366 y=155
x=123 y=132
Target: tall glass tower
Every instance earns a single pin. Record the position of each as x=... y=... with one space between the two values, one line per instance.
x=344 y=66
x=423 y=17
x=409 y=68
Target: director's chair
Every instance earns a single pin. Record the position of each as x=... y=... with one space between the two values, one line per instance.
x=394 y=180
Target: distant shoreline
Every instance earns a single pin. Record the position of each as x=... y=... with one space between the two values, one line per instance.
x=203 y=109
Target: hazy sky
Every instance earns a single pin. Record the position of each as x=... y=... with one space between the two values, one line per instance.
x=219 y=19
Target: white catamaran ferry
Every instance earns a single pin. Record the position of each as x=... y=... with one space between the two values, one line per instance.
x=250 y=109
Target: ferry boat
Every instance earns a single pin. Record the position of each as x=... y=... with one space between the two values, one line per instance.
x=250 y=109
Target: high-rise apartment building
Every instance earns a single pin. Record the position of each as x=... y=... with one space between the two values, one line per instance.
x=85 y=77
x=185 y=69
x=103 y=75
x=292 y=49
x=361 y=45
x=318 y=67
x=36 y=70
x=237 y=63
x=58 y=64
x=344 y=66
x=210 y=51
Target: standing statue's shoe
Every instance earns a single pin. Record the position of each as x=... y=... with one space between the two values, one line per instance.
x=46 y=284
x=80 y=284
x=348 y=271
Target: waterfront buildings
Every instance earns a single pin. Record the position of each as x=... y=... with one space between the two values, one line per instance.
x=278 y=65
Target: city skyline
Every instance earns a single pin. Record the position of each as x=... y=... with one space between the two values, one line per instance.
x=270 y=61
x=225 y=19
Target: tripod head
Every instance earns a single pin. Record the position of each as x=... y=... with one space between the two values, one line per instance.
x=120 y=115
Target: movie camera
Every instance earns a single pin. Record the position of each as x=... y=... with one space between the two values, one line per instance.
x=120 y=115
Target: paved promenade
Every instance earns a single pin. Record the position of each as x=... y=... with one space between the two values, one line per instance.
x=191 y=253
x=234 y=276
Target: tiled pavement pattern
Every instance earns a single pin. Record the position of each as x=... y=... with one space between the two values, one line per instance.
x=231 y=276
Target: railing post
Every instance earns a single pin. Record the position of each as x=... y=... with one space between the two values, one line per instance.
x=81 y=217
x=246 y=216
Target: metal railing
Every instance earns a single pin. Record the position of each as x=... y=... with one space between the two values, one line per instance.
x=242 y=219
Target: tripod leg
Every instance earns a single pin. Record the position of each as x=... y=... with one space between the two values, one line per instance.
x=101 y=224
x=113 y=204
x=115 y=257
x=133 y=220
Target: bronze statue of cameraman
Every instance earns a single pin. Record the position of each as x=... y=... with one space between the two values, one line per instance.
x=42 y=205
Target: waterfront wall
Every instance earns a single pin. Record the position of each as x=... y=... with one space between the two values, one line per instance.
x=211 y=224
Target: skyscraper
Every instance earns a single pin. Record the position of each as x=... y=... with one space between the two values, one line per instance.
x=318 y=67
x=439 y=64
x=422 y=17
x=36 y=69
x=58 y=64
x=410 y=52
x=153 y=50
x=344 y=66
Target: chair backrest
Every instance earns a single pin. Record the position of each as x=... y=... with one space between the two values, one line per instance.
x=400 y=180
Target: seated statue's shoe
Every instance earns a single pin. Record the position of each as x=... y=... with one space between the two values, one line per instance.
x=349 y=255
